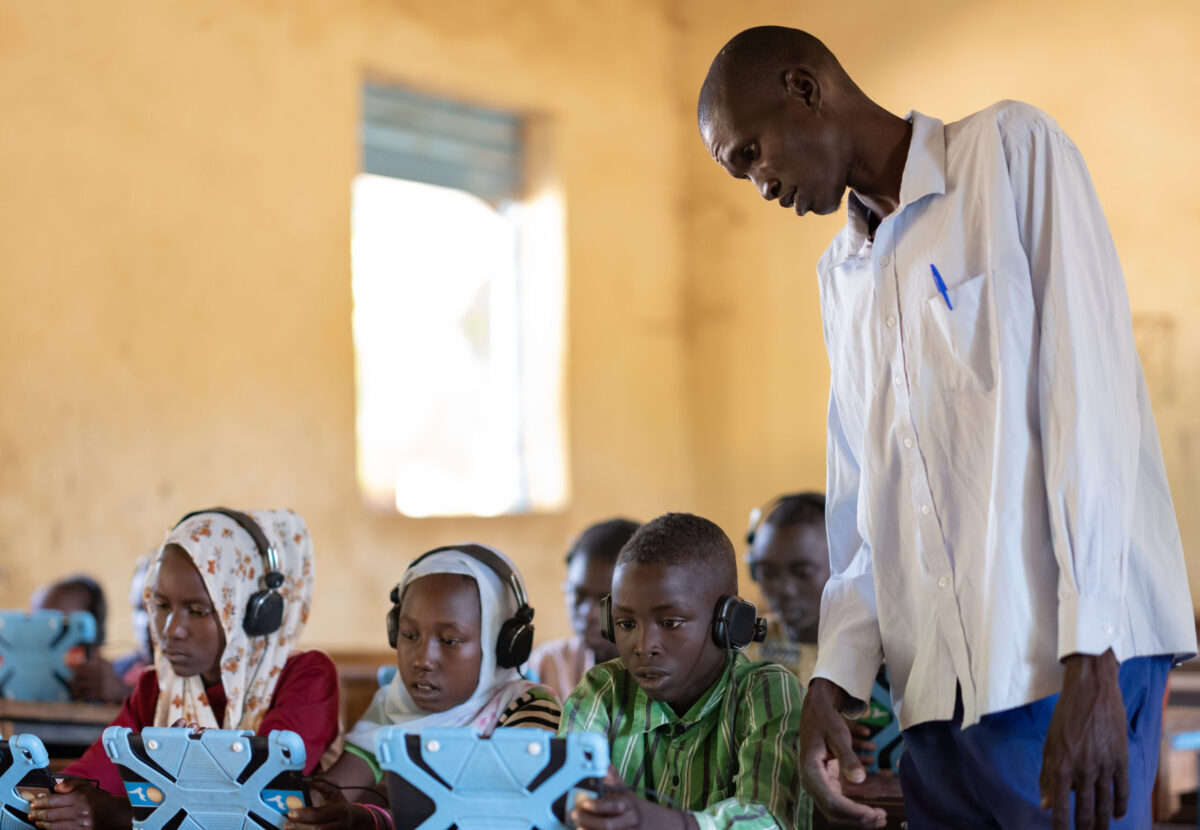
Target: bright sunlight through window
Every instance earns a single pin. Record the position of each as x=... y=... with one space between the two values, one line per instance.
x=458 y=344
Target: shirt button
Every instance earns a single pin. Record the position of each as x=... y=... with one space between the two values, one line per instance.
x=884 y=260
x=908 y=442
x=898 y=380
x=926 y=510
x=675 y=780
x=891 y=321
x=943 y=581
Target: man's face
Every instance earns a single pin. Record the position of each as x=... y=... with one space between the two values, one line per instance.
x=791 y=566
x=790 y=150
x=589 y=580
x=662 y=621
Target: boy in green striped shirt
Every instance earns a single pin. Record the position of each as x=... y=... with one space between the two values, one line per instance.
x=700 y=736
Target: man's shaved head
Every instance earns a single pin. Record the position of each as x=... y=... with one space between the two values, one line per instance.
x=759 y=57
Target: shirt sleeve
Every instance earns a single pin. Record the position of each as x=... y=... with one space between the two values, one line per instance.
x=536 y=709
x=306 y=702
x=586 y=709
x=850 y=649
x=767 y=791
x=136 y=712
x=1087 y=383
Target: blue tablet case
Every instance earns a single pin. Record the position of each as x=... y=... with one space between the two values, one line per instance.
x=23 y=763
x=33 y=650
x=515 y=780
x=218 y=779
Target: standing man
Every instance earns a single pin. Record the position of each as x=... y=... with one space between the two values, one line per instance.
x=1000 y=528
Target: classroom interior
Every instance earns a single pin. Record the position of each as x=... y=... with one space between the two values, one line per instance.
x=175 y=253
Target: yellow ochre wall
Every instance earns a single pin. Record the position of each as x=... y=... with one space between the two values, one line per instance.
x=174 y=255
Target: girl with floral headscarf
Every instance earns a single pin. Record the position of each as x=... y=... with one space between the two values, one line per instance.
x=208 y=670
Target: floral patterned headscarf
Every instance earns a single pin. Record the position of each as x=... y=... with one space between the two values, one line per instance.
x=232 y=569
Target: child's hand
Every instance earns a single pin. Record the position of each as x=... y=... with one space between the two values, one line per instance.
x=94 y=679
x=76 y=804
x=180 y=723
x=620 y=809
x=333 y=811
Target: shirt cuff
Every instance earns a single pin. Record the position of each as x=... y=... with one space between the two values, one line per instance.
x=1088 y=625
x=856 y=679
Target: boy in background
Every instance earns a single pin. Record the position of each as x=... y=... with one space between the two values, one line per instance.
x=789 y=561
x=561 y=664
x=700 y=736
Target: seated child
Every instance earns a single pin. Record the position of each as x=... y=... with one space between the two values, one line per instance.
x=209 y=670
x=96 y=678
x=457 y=666
x=700 y=736
x=560 y=664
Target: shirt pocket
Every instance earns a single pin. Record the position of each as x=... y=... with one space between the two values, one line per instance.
x=960 y=342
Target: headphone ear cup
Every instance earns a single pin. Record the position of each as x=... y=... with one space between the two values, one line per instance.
x=720 y=623
x=606 y=621
x=264 y=613
x=515 y=640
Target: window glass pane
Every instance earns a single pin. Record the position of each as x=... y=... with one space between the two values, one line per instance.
x=437 y=344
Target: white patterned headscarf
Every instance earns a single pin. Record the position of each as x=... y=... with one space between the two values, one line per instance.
x=232 y=568
x=496 y=688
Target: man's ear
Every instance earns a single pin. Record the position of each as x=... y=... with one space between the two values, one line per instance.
x=802 y=84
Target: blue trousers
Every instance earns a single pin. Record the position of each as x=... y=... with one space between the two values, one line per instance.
x=986 y=776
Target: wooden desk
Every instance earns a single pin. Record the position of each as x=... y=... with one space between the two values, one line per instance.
x=879 y=790
x=67 y=729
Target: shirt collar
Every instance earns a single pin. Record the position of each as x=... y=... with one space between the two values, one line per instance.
x=924 y=175
x=661 y=714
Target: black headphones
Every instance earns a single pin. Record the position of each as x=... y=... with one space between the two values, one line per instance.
x=264 y=609
x=515 y=639
x=759 y=514
x=735 y=623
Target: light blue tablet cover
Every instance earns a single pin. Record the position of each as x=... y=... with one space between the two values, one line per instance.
x=515 y=780
x=33 y=651
x=218 y=779
x=23 y=763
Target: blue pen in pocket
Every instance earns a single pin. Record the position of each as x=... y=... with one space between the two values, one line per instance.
x=941 y=286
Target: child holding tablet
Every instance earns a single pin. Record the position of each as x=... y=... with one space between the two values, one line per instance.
x=225 y=619
x=460 y=624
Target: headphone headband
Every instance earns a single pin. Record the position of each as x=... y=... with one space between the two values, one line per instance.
x=759 y=514
x=488 y=557
x=265 y=548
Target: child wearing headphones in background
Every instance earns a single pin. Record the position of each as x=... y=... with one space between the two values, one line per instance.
x=561 y=664
x=789 y=560
x=460 y=624
x=225 y=628
x=700 y=736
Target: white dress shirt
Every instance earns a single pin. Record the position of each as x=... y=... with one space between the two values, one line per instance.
x=997 y=498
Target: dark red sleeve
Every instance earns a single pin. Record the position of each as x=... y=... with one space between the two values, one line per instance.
x=306 y=702
x=136 y=712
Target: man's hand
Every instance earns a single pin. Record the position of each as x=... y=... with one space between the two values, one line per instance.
x=620 y=809
x=826 y=748
x=1087 y=749
x=76 y=804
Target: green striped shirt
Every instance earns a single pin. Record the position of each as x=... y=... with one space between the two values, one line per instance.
x=731 y=759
